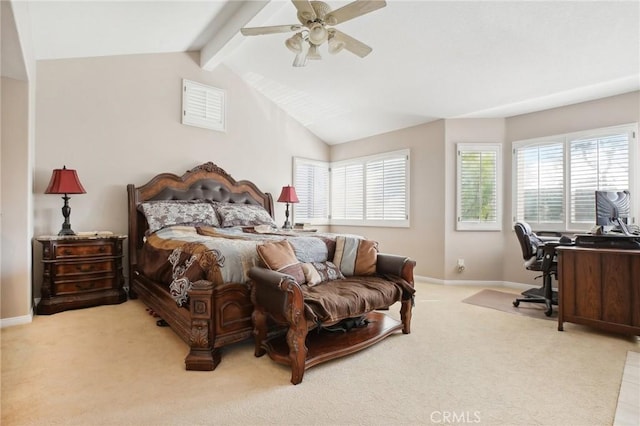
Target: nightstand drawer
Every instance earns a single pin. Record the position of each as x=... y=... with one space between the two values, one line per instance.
x=79 y=250
x=77 y=286
x=83 y=268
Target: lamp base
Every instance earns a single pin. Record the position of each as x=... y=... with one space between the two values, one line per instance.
x=287 y=225
x=66 y=212
x=66 y=231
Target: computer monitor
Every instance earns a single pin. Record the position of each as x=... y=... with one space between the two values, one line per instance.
x=613 y=209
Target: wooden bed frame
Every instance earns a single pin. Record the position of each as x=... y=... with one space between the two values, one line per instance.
x=217 y=315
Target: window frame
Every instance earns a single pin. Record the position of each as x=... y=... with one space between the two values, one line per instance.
x=480 y=225
x=566 y=139
x=364 y=160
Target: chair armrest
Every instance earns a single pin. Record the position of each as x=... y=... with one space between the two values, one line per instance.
x=275 y=292
x=392 y=264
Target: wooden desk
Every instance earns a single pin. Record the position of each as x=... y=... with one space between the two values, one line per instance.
x=599 y=288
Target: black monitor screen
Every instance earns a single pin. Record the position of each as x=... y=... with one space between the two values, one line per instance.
x=612 y=207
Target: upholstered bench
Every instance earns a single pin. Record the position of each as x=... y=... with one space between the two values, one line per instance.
x=348 y=304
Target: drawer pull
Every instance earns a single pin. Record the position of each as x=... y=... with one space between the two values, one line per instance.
x=88 y=286
x=67 y=252
x=102 y=249
x=85 y=268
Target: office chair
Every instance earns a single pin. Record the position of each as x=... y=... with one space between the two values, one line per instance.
x=539 y=254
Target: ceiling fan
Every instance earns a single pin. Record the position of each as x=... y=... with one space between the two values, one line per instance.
x=315 y=28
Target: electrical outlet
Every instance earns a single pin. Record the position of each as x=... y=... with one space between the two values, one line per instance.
x=461 y=266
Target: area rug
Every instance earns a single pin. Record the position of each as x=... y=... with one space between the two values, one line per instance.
x=503 y=301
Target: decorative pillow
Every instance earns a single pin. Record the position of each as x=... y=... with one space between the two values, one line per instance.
x=279 y=256
x=355 y=256
x=160 y=214
x=310 y=249
x=243 y=215
x=311 y=275
x=327 y=271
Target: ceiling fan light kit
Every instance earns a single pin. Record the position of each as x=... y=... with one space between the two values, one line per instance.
x=315 y=17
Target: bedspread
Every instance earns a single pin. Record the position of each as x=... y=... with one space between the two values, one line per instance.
x=177 y=256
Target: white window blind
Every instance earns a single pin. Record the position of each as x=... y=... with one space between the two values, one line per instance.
x=364 y=191
x=203 y=106
x=555 y=179
x=386 y=189
x=371 y=191
x=600 y=163
x=311 y=180
x=540 y=183
x=478 y=187
x=347 y=194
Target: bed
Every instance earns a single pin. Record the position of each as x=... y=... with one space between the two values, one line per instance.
x=216 y=314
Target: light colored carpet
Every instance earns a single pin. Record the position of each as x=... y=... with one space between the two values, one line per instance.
x=111 y=365
x=503 y=301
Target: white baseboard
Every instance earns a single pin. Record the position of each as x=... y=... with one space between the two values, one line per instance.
x=8 y=322
x=478 y=283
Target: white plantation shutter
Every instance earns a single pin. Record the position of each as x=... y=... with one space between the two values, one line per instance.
x=347 y=195
x=386 y=189
x=364 y=191
x=203 y=106
x=478 y=187
x=311 y=180
x=371 y=191
x=540 y=183
x=600 y=163
x=555 y=179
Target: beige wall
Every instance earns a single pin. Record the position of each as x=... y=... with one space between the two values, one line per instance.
x=424 y=240
x=116 y=120
x=15 y=202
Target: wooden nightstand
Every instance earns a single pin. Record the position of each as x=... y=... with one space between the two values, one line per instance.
x=81 y=271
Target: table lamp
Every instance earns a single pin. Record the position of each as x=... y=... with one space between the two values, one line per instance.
x=65 y=181
x=288 y=195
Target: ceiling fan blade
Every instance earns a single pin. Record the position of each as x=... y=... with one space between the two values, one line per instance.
x=270 y=30
x=353 y=10
x=305 y=9
x=351 y=44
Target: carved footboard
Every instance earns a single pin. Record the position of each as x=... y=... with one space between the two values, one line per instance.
x=280 y=297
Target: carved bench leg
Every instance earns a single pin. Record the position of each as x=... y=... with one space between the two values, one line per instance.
x=405 y=316
x=296 y=337
x=259 y=330
x=202 y=356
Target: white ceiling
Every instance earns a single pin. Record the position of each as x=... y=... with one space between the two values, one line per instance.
x=430 y=59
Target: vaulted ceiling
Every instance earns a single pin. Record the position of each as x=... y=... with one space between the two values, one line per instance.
x=430 y=59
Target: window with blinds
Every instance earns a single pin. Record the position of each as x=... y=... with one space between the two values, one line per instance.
x=540 y=183
x=555 y=179
x=478 y=202
x=311 y=180
x=365 y=191
x=371 y=190
x=203 y=106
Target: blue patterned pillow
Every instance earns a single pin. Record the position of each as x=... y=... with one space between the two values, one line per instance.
x=160 y=214
x=243 y=215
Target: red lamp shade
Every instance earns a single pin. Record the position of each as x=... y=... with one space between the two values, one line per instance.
x=288 y=195
x=64 y=181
